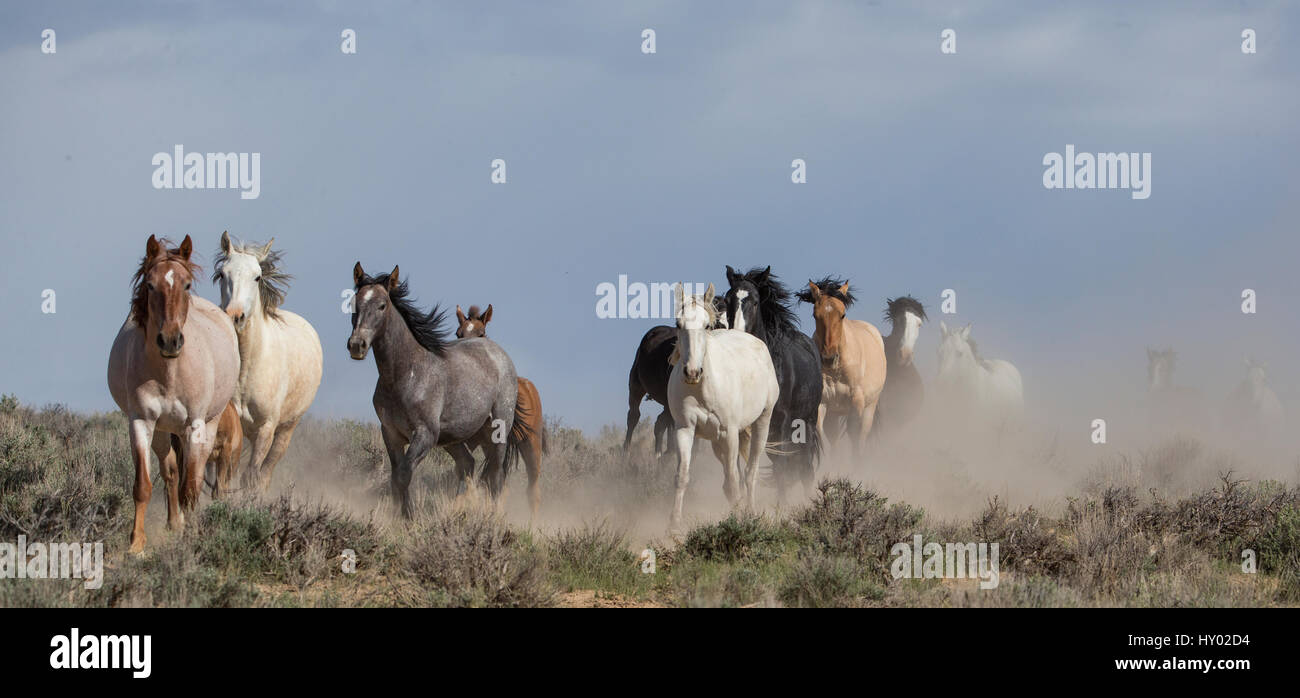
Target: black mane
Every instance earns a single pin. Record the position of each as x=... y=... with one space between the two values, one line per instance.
x=426 y=327
x=773 y=302
x=830 y=286
x=895 y=308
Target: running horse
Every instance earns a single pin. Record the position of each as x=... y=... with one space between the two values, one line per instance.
x=648 y=377
x=172 y=370
x=532 y=439
x=432 y=392
x=904 y=392
x=279 y=353
x=853 y=361
x=723 y=388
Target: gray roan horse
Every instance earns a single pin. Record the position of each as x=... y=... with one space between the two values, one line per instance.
x=433 y=391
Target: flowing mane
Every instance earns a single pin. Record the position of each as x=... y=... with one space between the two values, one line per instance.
x=140 y=290
x=830 y=286
x=773 y=302
x=427 y=327
x=274 y=282
x=896 y=308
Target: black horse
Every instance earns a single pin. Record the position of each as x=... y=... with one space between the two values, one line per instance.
x=648 y=379
x=759 y=304
x=904 y=391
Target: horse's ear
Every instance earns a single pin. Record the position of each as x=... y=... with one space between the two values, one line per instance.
x=731 y=276
x=814 y=292
x=187 y=248
x=460 y=316
x=266 y=249
x=965 y=331
x=394 y=279
x=844 y=290
x=709 y=293
x=943 y=328
x=766 y=273
x=152 y=247
x=486 y=317
x=225 y=241
x=358 y=274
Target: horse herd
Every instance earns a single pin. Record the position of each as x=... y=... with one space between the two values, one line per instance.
x=195 y=379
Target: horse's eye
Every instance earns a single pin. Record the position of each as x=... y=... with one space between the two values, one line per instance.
x=259 y=278
x=187 y=287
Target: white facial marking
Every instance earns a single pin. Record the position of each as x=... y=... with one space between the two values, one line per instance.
x=369 y=292
x=911 y=330
x=170 y=276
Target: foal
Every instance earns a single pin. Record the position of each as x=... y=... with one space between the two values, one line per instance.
x=532 y=440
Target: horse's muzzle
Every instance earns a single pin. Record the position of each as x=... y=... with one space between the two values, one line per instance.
x=693 y=377
x=831 y=362
x=357 y=348
x=170 y=346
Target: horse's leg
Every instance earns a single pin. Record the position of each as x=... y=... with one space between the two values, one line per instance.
x=141 y=432
x=494 y=468
x=395 y=445
x=279 y=444
x=199 y=439
x=730 y=483
x=421 y=441
x=685 y=441
x=463 y=454
x=167 y=448
x=662 y=425
x=634 y=395
x=757 y=446
x=262 y=437
x=532 y=452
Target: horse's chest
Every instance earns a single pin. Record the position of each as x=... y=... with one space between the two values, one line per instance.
x=836 y=393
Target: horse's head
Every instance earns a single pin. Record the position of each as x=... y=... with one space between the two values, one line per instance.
x=956 y=351
x=162 y=293
x=905 y=313
x=740 y=303
x=249 y=279
x=695 y=316
x=830 y=300
x=1160 y=368
x=370 y=308
x=474 y=324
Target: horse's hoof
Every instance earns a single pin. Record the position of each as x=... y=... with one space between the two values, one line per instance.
x=137 y=546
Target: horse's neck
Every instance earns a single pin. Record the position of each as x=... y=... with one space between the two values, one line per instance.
x=396 y=347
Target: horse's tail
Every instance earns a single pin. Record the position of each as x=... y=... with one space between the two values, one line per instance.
x=520 y=431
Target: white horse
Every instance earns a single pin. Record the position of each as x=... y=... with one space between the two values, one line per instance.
x=987 y=391
x=1252 y=406
x=723 y=388
x=279 y=352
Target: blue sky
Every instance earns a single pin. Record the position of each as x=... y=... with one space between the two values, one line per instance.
x=924 y=173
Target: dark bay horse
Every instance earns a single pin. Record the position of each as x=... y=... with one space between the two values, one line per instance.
x=648 y=378
x=172 y=370
x=759 y=304
x=532 y=439
x=904 y=392
x=457 y=395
